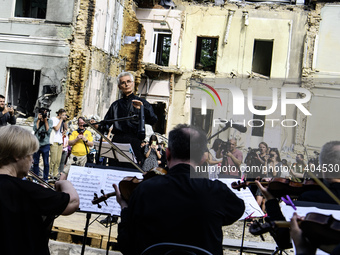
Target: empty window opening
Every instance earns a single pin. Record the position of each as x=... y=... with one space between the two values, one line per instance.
x=206 y=53
x=262 y=57
x=31 y=9
x=159 y=110
x=23 y=89
x=161 y=47
x=202 y=121
x=258 y=122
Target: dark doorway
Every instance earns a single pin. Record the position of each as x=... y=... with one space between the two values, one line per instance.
x=23 y=89
x=159 y=110
x=258 y=122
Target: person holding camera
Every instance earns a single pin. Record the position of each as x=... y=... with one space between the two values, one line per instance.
x=6 y=113
x=42 y=127
x=81 y=140
x=152 y=154
x=59 y=125
x=232 y=160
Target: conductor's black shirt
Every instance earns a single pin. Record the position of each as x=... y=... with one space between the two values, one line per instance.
x=123 y=108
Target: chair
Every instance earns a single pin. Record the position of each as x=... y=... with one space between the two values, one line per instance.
x=174 y=249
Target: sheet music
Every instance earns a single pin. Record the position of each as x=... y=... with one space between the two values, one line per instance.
x=288 y=211
x=250 y=203
x=88 y=181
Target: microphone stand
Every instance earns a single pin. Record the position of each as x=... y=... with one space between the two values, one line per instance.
x=113 y=145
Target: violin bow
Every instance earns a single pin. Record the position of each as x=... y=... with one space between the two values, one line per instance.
x=115 y=147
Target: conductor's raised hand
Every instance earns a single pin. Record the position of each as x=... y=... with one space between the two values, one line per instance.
x=137 y=103
x=119 y=197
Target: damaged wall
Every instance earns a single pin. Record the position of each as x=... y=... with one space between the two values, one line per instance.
x=322 y=75
x=100 y=52
x=134 y=40
x=285 y=26
x=33 y=44
x=79 y=59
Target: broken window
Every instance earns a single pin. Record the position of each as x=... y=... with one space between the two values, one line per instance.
x=262 y=56
x=161 y=47
x=202 y=121
x=23 y=89
x=258 y=122
x=31 y=9
x=206 y=53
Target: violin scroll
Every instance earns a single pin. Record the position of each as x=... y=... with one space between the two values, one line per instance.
x=96 y=200
x=239 y=185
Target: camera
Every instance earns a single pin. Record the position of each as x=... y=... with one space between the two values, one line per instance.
x=44 y=112
x=251 y=158
x=9 y=104
x=253 y=153
x=42 y=135
x=80 y=131
x=226 y=147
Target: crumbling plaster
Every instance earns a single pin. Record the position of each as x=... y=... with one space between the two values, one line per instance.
x=34 y=44
x=285 y=24
x=88 y=62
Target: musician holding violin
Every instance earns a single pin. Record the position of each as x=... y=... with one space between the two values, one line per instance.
x=27 y=209
x=329 y=156
x=176 y=207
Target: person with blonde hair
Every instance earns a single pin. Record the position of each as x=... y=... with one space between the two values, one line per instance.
x=27 y=209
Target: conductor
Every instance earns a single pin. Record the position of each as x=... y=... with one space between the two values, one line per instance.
x=129 y=105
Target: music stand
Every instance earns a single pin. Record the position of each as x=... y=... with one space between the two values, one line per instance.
x=105 y=150
x=88 y=181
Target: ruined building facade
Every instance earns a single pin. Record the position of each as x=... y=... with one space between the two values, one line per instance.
x=67 y=54
x=261 y=48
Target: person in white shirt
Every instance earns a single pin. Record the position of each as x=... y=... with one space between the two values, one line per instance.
x=59 y=125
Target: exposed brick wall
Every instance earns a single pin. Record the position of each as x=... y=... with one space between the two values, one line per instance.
x=84 y=57
x=80 y=57
x=133 y=52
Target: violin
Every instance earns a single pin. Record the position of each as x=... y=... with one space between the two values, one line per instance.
x=128 y=185
x=279 y=187
x=323 y=231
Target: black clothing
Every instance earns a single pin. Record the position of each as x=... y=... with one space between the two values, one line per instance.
x=7 y=118
x=281 y=235
x=123 y=108
x=321 y=196
x=126 y=131
x=177 y=208
x=26 y=211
